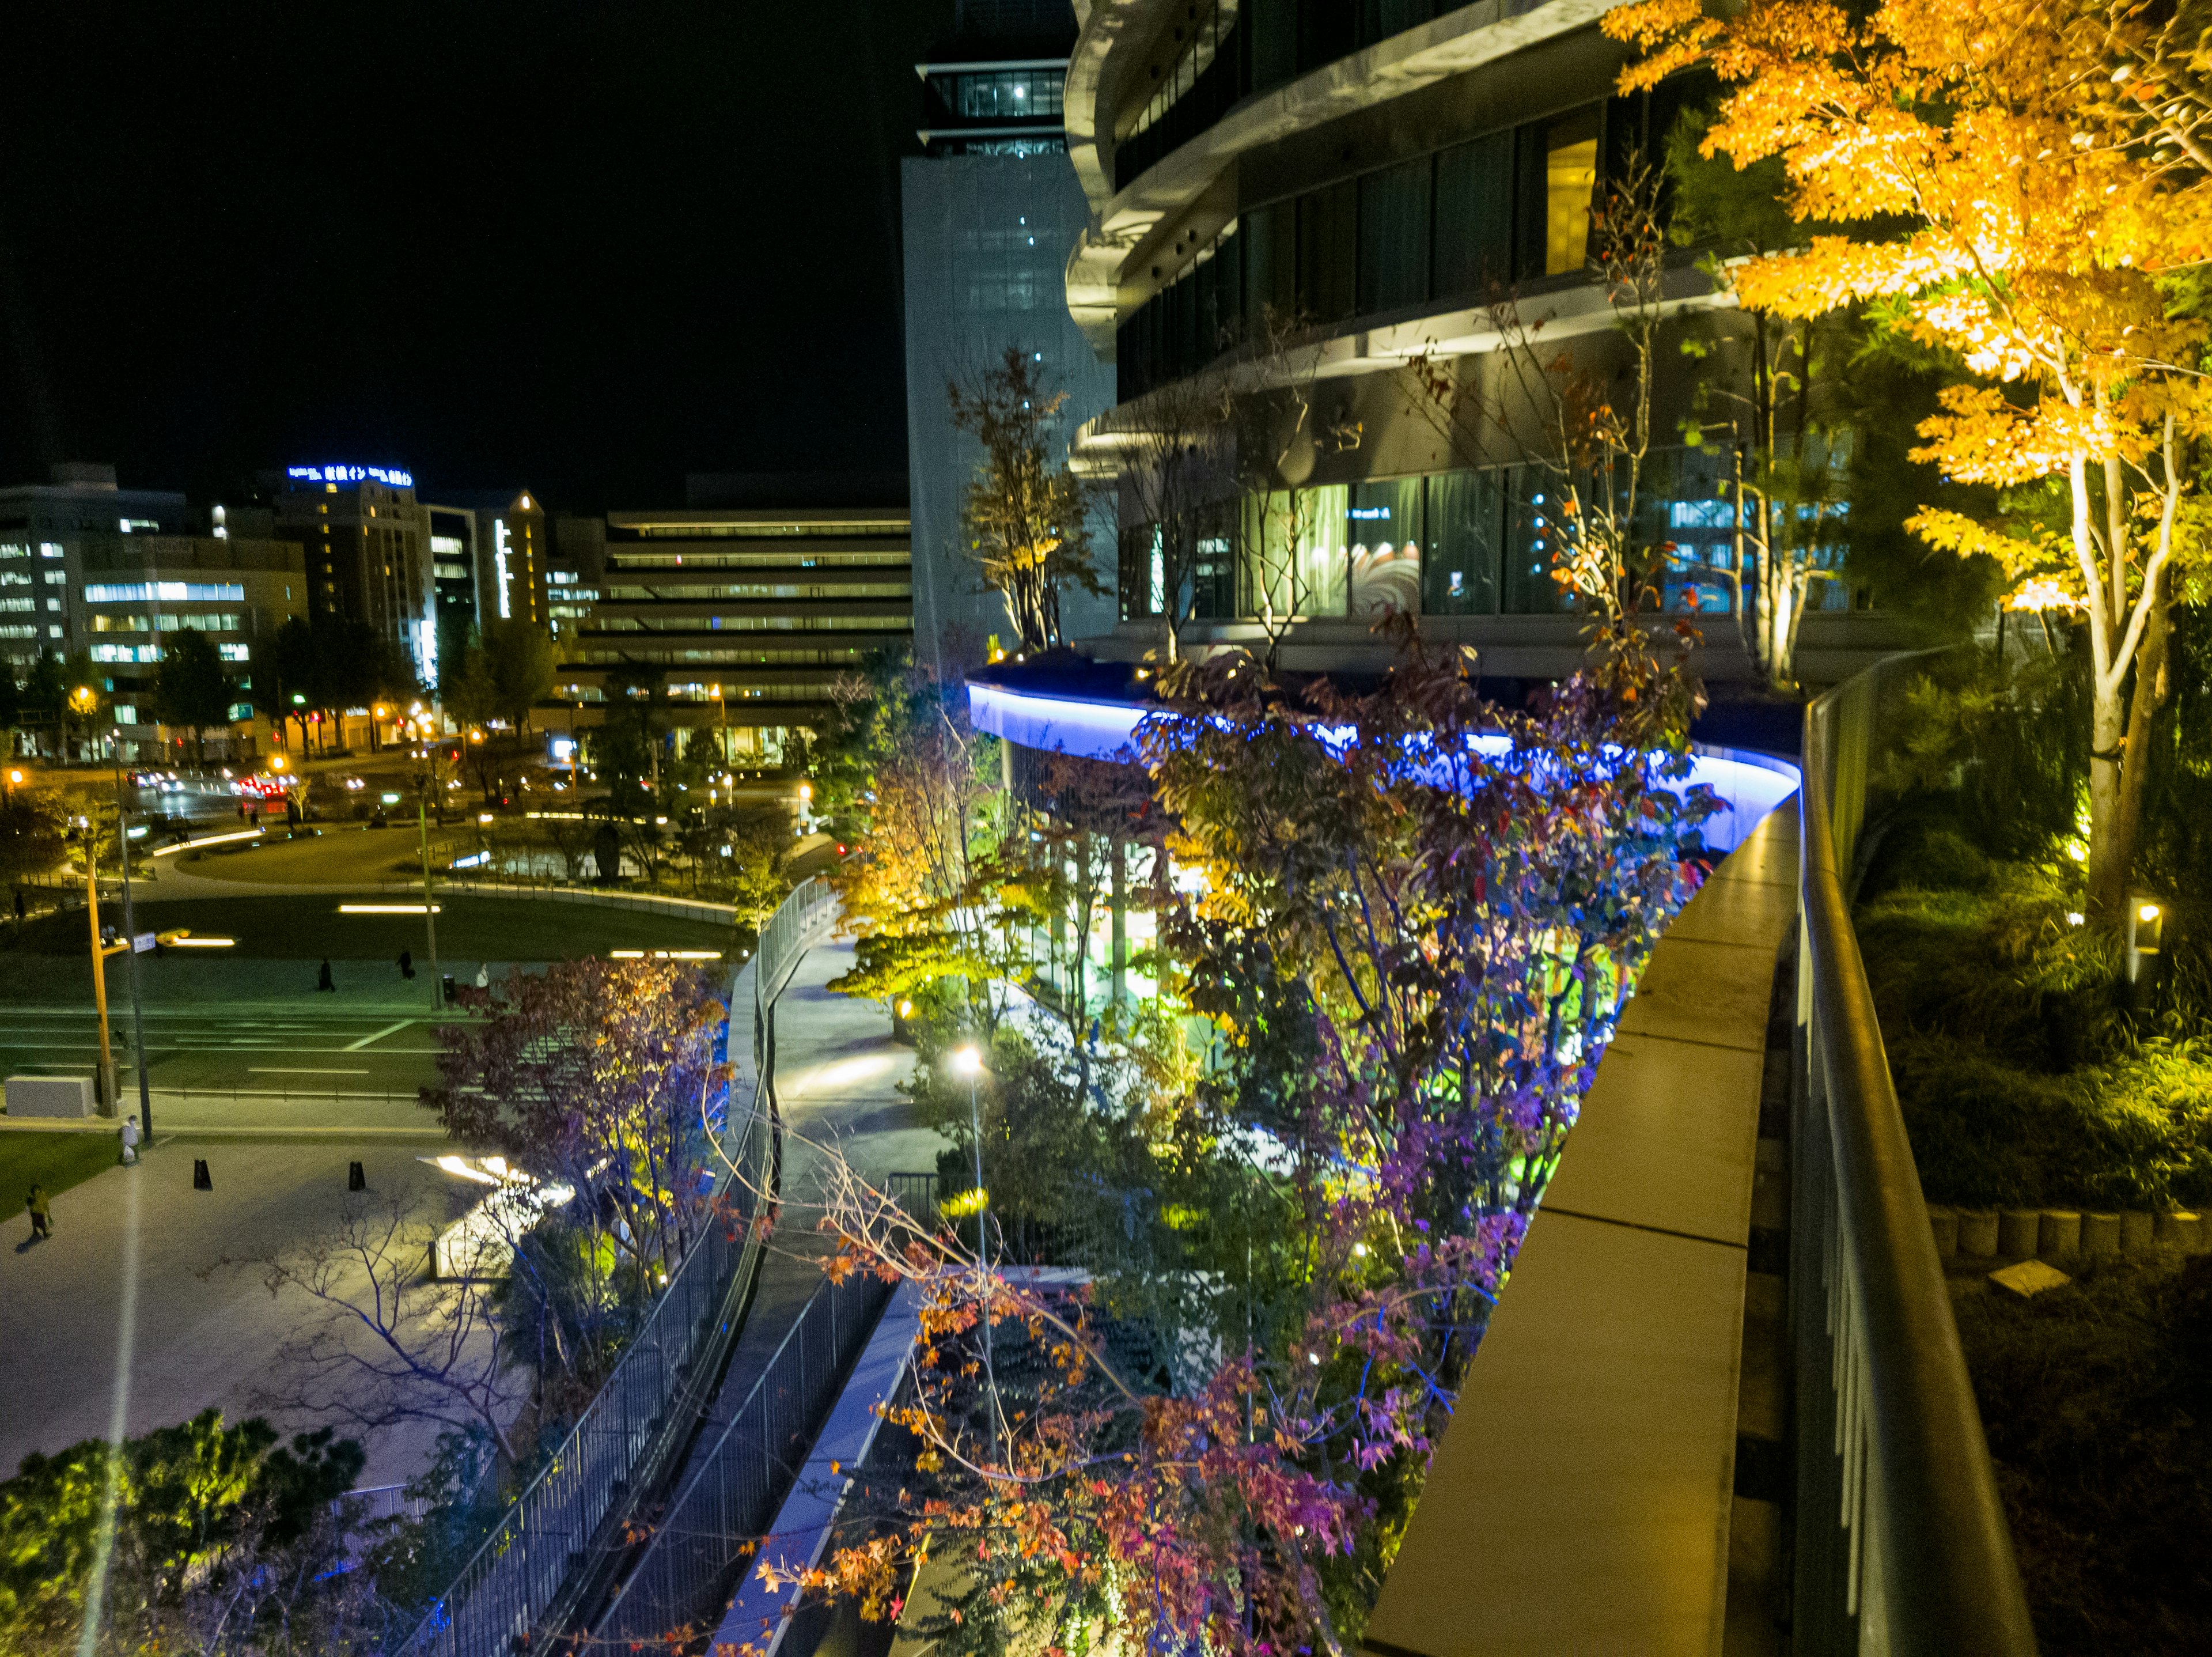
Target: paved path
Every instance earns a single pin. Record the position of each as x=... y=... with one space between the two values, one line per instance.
x=837 y=1077
x=129 y=1287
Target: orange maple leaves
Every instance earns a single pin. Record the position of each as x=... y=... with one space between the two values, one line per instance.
x=1995 y=199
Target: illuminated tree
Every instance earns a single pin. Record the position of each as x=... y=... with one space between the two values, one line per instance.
x=909 y=781
x=1414 y=921
x=2044 y=229
x=1027 y=516
x=600 y=1076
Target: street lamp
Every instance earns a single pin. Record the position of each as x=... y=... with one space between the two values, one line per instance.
x=969 y=1062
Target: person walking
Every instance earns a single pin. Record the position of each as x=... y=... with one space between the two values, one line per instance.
x=323 y=979
x=407 y=963
x=42 y=1214
x=131 y=1140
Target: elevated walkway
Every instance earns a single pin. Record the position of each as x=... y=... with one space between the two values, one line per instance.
x=1583 y=1500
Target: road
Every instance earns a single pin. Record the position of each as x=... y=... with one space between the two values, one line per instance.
x=268 y=1052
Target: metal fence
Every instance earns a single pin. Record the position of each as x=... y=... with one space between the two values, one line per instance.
x=1901 y=1541
x=629 y=1434
x=680 y=1586
x=914 y=1192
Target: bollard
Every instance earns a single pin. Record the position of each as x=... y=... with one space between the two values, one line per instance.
x=1977 y=1232
x=2060 y=1237
x=355 y=1178
x=2100 y=1236
x=2136 y=1230
x=201 y=1180
x=2016 y=1232
x=1944 y=1222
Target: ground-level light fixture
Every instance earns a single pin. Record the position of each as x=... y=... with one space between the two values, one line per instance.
x=967 y=1062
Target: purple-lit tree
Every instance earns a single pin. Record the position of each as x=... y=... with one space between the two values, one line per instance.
x=1408 y=920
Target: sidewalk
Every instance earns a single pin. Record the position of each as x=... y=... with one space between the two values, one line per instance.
x=129 y=1285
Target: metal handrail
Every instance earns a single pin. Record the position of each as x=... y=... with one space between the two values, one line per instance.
x=682 y=1579
x=653 y=1395
x=1902 y=1542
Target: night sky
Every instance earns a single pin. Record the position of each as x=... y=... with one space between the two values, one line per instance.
x=582 y=247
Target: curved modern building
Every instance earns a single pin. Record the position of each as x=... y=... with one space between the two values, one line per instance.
x=1379 y=175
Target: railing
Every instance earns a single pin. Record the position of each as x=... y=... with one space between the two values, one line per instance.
x=676 y=1591
x=1901 y=1541
x=914 y=1192
x=630 y=1432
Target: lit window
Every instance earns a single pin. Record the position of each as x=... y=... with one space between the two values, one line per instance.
x=49 y=549
x=1570 y=177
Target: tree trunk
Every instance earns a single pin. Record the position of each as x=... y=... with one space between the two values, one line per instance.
x=2110 y=860
x=2112 y=851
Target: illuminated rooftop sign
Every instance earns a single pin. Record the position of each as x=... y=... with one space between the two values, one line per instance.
x=390 y=476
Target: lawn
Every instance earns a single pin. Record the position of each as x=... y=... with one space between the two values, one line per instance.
x=56 y=1160
x=308 y=927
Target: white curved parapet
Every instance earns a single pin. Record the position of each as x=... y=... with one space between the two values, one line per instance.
x=1748 y=785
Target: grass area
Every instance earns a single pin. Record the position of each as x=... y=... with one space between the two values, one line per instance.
x=2023 y=1080
x=56 y=1160
x=2097 y=1399
x=307 y=927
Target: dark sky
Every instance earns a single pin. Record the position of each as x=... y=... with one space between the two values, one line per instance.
x=585 y=248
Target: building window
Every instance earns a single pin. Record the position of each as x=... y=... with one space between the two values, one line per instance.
x=1394 y=236
x=174 y=591
x=1383 y=530
x=1570 y=178
x=1466 y=526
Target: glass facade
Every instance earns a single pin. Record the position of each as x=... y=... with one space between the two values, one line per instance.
x=1461 y=543
x=1220 y=54
x=986 y=241
x=1452 y=225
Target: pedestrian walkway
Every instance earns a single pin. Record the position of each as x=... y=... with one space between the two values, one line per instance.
x=129 y=1290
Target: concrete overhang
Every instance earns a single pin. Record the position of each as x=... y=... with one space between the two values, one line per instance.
x=1129 y=224
x=1385 y=345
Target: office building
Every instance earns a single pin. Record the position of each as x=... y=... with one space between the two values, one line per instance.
x=367 y=544
x=1376 y=177
x=493 y=553
x=44 y=530
x=743 y=616
x=989 y=212
x=141 y=590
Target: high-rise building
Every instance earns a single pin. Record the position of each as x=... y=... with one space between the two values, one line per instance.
x=44 y=530
x=989 y=210
x=742 y=617
x=1371 y=179
x=503 y=550
x=367 y=546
